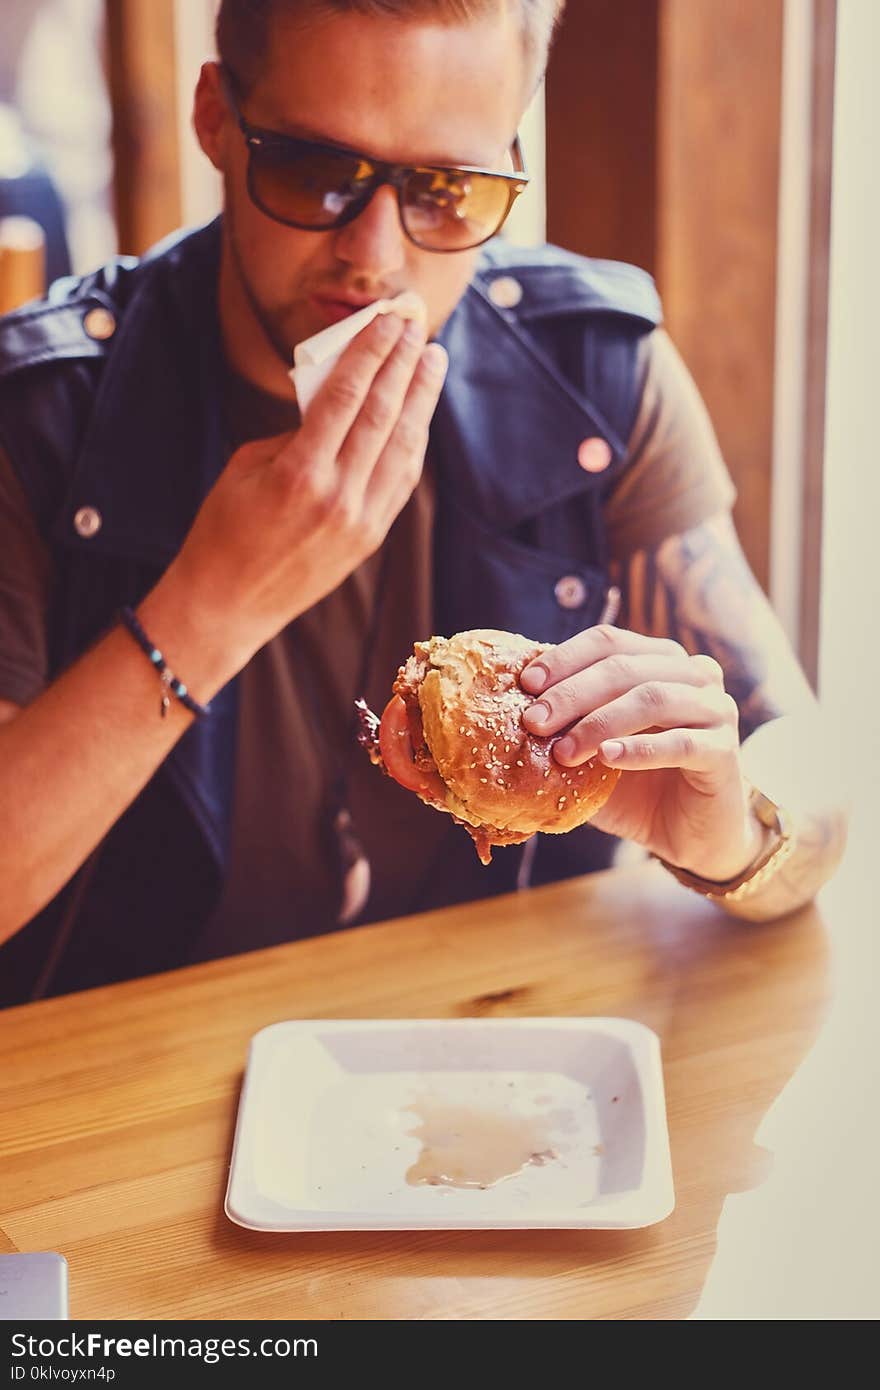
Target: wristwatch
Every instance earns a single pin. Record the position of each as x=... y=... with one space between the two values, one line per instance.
x=778 y=845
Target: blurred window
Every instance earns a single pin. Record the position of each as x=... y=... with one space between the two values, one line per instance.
x=55 y=121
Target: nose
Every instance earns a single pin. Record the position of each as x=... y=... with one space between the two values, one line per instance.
x=374 y=243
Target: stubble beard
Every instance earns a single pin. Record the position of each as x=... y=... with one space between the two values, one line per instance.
x=272 y=324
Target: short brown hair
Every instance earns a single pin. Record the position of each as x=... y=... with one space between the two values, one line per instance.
x=243 y=25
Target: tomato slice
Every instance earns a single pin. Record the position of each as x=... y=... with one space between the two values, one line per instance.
x=395 y=745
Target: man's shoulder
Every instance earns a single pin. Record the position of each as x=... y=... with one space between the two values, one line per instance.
x=78 y=319
x=546 y=282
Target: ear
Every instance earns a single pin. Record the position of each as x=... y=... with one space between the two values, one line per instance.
x=212 y=118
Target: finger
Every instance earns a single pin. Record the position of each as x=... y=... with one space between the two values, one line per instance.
x=587 y=647
x=656 y=705
x=399 y=468
x=694 y=750
x=577 y=696
x=339 y=399
x=381 y=409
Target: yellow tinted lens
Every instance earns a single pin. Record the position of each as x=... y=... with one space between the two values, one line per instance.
x=312 y=188
x=451 y=210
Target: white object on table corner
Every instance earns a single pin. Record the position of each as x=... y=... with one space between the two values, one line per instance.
x=33 y=1287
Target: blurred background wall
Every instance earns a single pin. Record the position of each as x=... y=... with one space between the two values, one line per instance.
x=692 y=137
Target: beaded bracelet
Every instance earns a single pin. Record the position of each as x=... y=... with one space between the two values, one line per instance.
x=167 y=677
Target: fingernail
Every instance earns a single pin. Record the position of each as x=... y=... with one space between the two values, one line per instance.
x=534 y=678
x=539 y=712
x=435 y=359
x=565 y=748
x=612 y=750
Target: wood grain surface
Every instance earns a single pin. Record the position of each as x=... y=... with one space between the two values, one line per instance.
x=118 y=1106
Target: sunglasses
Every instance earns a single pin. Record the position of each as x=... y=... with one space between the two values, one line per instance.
x=317 y=187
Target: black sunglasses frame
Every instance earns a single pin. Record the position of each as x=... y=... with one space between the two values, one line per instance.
x=257 y=138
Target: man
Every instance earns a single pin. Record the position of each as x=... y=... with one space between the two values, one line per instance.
x=153 y=456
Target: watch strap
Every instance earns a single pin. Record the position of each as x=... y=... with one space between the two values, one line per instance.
x=768 y=862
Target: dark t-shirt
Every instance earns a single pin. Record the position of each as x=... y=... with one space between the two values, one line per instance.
x=297 y=759
x=297 y=756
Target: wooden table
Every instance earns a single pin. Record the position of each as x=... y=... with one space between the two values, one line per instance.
x=118 y=1106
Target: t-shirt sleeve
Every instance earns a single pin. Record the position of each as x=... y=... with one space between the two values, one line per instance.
x=25 y=578
x=674 y=476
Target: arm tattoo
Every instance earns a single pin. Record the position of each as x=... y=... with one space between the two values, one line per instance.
x=698 y=589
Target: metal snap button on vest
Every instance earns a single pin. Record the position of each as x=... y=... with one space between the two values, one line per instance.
x=505 y=292
x=570 y=591
x=87 y=522
x=99 y=324
x=594 y=455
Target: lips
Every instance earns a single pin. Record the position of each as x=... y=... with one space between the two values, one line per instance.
x=333 y=310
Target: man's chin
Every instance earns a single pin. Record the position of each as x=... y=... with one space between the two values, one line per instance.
x=284 y=333
x=310 y=316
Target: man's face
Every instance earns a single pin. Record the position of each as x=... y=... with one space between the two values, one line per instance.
x=409 y=93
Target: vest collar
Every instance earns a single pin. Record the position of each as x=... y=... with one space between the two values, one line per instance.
x=509 y=423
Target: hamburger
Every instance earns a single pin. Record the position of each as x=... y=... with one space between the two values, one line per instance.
x=452 y=732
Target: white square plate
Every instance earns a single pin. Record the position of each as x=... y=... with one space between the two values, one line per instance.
x=451 y=1123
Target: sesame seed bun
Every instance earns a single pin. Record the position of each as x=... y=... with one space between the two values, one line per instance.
x=464 y=707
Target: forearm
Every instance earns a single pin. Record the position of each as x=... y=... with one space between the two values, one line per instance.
x=697 y=588
x=75 y=759
x=792 y=760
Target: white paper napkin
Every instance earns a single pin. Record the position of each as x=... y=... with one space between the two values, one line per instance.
x=316 y=357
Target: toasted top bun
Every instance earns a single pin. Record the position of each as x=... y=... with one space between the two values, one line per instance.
x=498 y=774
